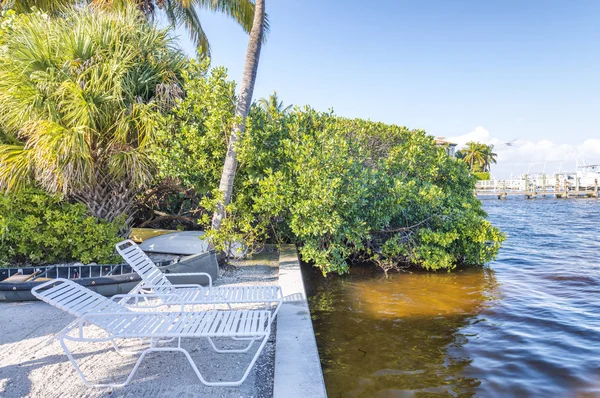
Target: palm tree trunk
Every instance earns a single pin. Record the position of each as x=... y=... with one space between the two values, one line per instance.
x=108 y=199
x=241 y=111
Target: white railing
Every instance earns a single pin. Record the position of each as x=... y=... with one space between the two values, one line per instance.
x=540 y=183
x=526 y=183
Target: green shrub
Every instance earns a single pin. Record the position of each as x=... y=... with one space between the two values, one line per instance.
x=343 y=190
x=355 y=190
x=193 y=148
x=36 y=228
x=484 y=175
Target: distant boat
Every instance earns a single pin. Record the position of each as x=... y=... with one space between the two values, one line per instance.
x=588 y=175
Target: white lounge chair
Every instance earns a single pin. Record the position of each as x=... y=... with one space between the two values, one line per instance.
x=159 y=327
x=156 y=281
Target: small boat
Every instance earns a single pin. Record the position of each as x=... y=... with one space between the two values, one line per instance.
x=184 y=243
x=589 y=175
x=108 y=280
x=138 y=235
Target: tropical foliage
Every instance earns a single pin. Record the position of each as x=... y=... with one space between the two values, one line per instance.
x=178 y=12
x=273 y=105
x=363 y=191
x=83 y=95
x=343 y=190
x=478 y=156
x=96 y=104
x=482 y=175
x=192 y=146
x=39 y=228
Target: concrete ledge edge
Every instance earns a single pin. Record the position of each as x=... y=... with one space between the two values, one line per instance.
x=298 y=370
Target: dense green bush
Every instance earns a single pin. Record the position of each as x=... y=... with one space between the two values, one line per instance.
x=37 y=228
x=484 y=175
x=362 y=191
x=193 y=146
x=192 y=149
x=343 y=190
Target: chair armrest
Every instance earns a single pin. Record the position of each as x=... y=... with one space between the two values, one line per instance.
x=124 y=298
x=187 y=285
x=129 y=314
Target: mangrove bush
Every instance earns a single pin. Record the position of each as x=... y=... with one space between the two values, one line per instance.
x=344 y=190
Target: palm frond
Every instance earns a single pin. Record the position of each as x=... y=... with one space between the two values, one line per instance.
x=17 y=167
x=188 y=16
x=242 y=11
x=273 y=104
x=51 y=6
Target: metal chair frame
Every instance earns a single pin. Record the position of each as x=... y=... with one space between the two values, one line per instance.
x=155 y=327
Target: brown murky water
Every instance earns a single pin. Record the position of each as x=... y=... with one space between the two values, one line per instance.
x=527 y=325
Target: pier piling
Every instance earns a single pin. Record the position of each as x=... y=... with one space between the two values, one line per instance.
x=544 y=186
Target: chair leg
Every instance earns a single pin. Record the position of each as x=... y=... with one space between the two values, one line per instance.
x=238 y=350
x=225 y=383
x=120 y=351
x=245 y=338
x=151 y=343
x=163 y=349
x=82 y=376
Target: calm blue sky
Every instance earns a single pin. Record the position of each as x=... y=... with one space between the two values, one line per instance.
x=496 y=70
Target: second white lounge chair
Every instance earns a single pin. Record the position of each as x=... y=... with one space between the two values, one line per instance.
x=153 y=280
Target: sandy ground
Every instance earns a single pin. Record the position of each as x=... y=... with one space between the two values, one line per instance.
x=32 y=367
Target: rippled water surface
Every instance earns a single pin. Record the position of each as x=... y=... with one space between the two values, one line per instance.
x=527 y=325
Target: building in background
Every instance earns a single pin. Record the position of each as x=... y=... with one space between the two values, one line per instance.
x=450 y=146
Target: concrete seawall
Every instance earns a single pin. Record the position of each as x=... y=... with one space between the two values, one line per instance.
x=297 y=365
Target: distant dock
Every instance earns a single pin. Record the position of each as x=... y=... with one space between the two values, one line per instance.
x=538 y=186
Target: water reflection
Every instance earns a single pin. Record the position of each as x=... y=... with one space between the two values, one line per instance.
x=391 y=338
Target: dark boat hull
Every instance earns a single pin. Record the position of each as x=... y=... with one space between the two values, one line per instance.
x=122 y=284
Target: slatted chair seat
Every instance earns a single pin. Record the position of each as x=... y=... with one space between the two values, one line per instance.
x=189 y=324
x=120 y=322
x=227 y=294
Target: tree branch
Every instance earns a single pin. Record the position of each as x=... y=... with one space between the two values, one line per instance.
x=403 y=229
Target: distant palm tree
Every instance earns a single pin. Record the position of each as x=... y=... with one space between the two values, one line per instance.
x=474 y=154
x=241 y=111
x=272 y=104
x=490 y=157
x=478 y=156
x=178 y=12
